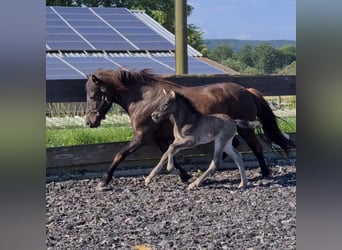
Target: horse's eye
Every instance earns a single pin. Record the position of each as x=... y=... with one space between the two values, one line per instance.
x=164 y=107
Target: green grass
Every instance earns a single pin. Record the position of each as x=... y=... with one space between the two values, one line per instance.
x=287 y=124
x=80 y=136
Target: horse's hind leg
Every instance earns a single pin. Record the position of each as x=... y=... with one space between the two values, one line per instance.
x=236 y=156
x=249 y=136
x=163 y=146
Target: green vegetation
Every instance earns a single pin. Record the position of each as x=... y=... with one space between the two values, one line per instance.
x=287 y=124
x=288 y=69
x=237 y=44
x=261 y=59
x=79 y=136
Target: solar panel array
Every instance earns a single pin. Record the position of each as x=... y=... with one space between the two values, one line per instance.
x=71 y=28
x=80 y=33
x=77 y=67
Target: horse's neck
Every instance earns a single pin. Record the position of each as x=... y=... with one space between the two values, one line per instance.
x=129 y=97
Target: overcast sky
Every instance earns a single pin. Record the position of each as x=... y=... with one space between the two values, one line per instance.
x=245 y=19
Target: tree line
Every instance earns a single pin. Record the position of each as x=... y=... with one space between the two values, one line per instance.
x=261 y=59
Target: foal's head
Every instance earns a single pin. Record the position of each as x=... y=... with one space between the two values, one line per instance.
x=98 y=101
x=166 y=108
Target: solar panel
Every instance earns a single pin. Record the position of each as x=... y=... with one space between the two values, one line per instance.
x=61 y=36
x=69 y=67
x=195 y=66
x=139 y=63
x=57 y=69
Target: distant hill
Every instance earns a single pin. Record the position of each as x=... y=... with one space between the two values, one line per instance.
x=238 y=44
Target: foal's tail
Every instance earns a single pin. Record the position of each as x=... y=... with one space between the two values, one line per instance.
x=248 y=124
x=269 y=123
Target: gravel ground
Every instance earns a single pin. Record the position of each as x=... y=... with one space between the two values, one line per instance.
x=167 y=216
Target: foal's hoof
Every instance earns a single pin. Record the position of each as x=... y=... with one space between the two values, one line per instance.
x=147 y=181
x=102 y=187
x=242 y=185
x=192 y=186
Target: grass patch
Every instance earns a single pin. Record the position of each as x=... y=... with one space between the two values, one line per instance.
x=287 y=124
x=80 y=136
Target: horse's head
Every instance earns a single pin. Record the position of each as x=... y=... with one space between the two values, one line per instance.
x=166 y=108
x=98 y=101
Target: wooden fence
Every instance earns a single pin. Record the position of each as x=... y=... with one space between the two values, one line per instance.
x=98 y=156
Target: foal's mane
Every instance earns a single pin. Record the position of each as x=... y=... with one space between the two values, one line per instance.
x=192 y=108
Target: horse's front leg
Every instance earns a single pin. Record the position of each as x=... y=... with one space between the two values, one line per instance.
x=132 y=146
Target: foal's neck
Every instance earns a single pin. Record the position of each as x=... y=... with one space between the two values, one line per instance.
x=185 y=113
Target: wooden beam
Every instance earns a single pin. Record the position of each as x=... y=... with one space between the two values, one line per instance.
x=74 y=90
x=102 y=154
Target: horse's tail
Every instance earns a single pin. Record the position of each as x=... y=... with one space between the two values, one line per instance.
x=269 y=123
x=248 y=124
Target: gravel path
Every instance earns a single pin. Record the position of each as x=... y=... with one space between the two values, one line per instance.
x=167 y=216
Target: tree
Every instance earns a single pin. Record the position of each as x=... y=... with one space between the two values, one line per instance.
x=266 y=58
x=59 y=2
x=221 y=52
x=195 y=39
x=288 y=54
x=245 y=55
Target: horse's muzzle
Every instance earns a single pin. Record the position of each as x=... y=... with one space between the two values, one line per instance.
x=155 y=117
x=93 y=124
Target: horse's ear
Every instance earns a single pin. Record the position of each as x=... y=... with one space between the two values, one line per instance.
x=95 y=79
x=103 y=88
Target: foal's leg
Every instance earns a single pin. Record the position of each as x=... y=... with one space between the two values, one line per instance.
x=163 y=146
x=157 y=168
x=236 y=156
x=214 y=164
x=177 y=146
x=169 y=154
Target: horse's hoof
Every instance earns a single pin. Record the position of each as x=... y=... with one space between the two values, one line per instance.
x=242 y=185
x=185 y=178
x=266 y=174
